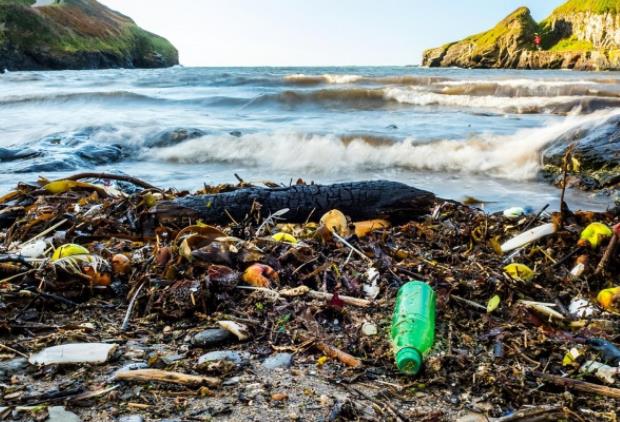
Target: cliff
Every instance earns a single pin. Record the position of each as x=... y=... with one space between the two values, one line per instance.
x=580 y=34
x=76 y=34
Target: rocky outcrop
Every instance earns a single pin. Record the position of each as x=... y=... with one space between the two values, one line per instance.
x=596 y=155
x=498 y=47
x=76 y=34
x=581 y=35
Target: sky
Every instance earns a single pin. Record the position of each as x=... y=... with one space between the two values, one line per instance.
x=316 y=32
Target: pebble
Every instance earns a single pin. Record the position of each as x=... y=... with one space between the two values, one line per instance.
x=129 y=367
x=229 y=355
x=131 y=418
x=212 y=337
x=232 y=381
x=369 y=329
x=279 y=360
x=59 y=414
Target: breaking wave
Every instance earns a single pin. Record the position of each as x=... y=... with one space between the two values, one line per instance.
x=365 y=98
x=515 y=156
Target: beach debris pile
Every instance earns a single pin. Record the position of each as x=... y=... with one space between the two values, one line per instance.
x=109 y=313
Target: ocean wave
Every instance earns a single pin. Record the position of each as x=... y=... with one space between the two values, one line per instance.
x=305 y=79
x=368 y=98
x=91 y=96
x=518 y=105
x=527 y=88
x=515 y=157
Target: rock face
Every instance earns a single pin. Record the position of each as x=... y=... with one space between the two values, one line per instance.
x=596 y=153
x=76 y=34
x=580 y=34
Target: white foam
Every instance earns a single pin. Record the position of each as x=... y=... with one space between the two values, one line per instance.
x=515 y=157
x=419 y=97
x=518 y=83
x=325 y=78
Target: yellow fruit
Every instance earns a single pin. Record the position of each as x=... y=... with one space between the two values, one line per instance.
x=259 y=275
x=594 y=234
x=363 y=228
x=609 y=299
x=335 y=221
x=62 y=186
x=69 y=249
x=284 y=237
x=519 y=272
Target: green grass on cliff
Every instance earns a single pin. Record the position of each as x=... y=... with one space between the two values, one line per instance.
x=568 y=45
x=509 y=26
x=592 y=6
x=78 y=26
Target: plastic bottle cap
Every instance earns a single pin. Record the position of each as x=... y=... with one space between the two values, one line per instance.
x=409 y=360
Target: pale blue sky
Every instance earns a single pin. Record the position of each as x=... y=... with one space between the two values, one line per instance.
x=316 y=32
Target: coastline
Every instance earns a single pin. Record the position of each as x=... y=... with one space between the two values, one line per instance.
x=195 y=276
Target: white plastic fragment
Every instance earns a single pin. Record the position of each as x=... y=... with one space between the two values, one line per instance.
x=581 y=308
x=514 y=212
x=34 y=249
x=601 y=371
x=529 y=237
x=73 y=353
x=371 y=289
x=239 y=330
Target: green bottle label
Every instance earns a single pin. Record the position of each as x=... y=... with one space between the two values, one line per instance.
x=413 y=325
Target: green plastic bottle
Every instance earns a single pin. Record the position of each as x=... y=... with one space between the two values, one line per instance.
x=413 y=325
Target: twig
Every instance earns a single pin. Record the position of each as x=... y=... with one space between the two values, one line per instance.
x=533 y=220
x=353 y=248
x=396 y=414
x=156 y=375
x=578 y=385
x=130 y=307
x=10 y=349
x=94 y=394
x=602 y=265
x=541 y=413
x=563 y=207
x=469 y=302
x=305 y=290
x=44 y=232
x=338 y=354
x=110 y=176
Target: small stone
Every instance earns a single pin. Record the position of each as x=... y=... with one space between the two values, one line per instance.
x=212 y=337
x=131 y=418
x=59 y=414
x=369 y=329
x=232 y=381
x=229 y=355
x=279 y=396
x=171 y=358
x=279 y=360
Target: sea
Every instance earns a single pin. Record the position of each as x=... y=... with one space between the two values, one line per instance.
x=458 y=133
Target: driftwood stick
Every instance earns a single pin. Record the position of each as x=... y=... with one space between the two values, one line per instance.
x=156 y=375
x=539 y=413
x=359 y=200
x=338 y=354
x=611 y=248
x=110 y=176
x=578 y=385
x=130 y=307
x=305 y=290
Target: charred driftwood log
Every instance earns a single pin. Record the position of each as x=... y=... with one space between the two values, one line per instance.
x=359 y=200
